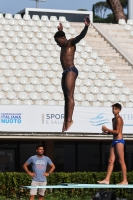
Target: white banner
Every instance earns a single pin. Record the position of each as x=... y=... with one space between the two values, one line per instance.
x=50 y=119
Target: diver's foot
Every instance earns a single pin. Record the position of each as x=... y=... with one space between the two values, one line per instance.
x=68 y=124
x=103 y=182
x=63 y=128
x=123 y=183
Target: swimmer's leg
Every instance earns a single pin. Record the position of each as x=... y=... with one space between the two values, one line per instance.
x=120 y=152
x=69 y=86
x=63 y=89
x=110 y=166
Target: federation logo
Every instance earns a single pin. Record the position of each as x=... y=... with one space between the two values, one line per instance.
x=11 y=118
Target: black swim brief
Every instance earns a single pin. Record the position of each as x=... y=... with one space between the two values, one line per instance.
x=73 y=69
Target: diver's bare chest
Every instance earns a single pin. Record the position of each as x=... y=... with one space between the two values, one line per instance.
x=64 y=53
x=114 y=123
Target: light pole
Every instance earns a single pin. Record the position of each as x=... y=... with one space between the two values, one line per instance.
x=130 y=9
x=37 y=2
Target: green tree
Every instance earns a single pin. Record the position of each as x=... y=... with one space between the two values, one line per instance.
x=100 y=9
x=93 y=10
x=117 y=9
x=82 y=9
x=124 y=3
x=117 y=6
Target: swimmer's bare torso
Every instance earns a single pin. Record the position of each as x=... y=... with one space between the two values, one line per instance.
x=117 y=121
x=68 y=47
x=67 y=55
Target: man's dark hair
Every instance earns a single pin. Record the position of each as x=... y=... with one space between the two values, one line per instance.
x=117 y=105
x=38 y=146
x=59 y=34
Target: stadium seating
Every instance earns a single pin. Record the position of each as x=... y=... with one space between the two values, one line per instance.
x=128 y=26
x=30 y=69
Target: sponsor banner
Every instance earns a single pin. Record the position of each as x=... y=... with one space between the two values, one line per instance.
x=50 y=119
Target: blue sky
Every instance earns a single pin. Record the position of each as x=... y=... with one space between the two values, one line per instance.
x=14 y=6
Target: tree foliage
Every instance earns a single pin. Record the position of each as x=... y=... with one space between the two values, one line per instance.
x=117 y=9
x=124 y=3
x=82 y=9
x=99 y=10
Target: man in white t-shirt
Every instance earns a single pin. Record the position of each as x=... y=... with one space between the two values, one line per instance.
x=39 y=164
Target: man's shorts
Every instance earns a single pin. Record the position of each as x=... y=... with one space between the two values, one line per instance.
x=41 y=190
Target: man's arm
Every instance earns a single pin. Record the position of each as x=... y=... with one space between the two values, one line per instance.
x=80 y=36
x=114 y=132
x=83 y=33
x=60 y=27
x=25 y=167
x=52 y=168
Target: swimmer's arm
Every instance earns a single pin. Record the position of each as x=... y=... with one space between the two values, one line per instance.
x=80 y=36
x=60 y=27
x=118 y=128
x=114 y=132
x=84 y=31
